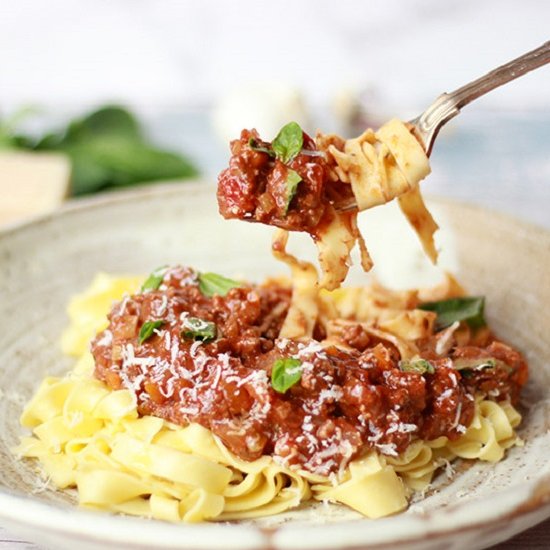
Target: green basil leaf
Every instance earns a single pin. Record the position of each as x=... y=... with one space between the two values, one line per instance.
x=421 y=366
x=469 y=309
x=113 y=161
x=468 y=366
x=212 y=283
x=154 y=280
x=474 y=364
x=253 y=144
x=292 y=181
x=148 y=328
x=198 y=329
x=289 y=142
x=9 y=138
x=108 y=149
x=286 y=373
x=108 y=120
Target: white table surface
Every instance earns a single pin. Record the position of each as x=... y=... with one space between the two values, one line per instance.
x=499 y=160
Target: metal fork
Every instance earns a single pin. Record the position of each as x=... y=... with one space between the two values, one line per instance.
x=427 y=125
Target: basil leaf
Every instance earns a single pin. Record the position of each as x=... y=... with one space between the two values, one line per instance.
x=286 y=373
x=108 y=120
x=469 y=309
x=463 y=363
x=289 y=142
x=421 y=366
x=108 y=149
x=468 y=366
x=148 y=328
x=9 y=139
x=212 y=283
x=108 y=162
x=154 y=280
x=198 y=329
x=253 y=144
x=292 y=181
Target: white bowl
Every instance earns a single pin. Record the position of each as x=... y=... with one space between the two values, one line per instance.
x=44 y=262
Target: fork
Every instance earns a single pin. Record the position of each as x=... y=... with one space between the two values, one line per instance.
x=426 y=126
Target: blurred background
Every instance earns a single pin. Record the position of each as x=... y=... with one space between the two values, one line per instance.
x=103 y=95
x=190 y=75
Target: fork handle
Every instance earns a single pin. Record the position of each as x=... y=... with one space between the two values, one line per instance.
x=448 y=105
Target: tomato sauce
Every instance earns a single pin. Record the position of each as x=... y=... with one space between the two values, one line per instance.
x=346 y=402
x=255 y=185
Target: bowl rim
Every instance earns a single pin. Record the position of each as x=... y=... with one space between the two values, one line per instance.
x=199 y=185
x=67 y=520
x=531 y=498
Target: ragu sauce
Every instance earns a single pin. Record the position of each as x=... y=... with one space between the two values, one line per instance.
x=209 y=359
x=284 y=183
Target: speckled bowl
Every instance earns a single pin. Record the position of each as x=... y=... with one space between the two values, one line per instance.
x=44 y=262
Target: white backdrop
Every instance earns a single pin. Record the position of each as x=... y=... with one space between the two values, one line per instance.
x=166 y=52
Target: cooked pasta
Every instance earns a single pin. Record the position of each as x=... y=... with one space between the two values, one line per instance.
x=298 y=184
x=382 y=166
x=88 y=435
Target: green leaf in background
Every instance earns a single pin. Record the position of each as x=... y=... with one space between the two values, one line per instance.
x=285 y=374
x=289 y=142
x=111 y=121
x=469 y=309
x=292 y=181
x=148 y=328
x=108 y=150
x=9 y=139
x=112 y=161
x=212 y=283
x=107 y=122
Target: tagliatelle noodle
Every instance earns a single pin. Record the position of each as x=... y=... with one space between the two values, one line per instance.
x=304 y=308
x=379 y=166
x=88 y=436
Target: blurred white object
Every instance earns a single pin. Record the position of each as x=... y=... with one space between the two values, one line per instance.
x=356 y=108
x=32 y=184
x=266 y=107
x=347 y=106
x=399 y=261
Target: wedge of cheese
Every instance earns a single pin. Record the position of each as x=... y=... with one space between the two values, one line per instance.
x=31 y=184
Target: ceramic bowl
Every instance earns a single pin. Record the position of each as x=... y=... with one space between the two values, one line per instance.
x=44 y=262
